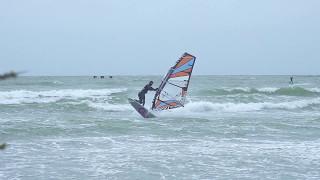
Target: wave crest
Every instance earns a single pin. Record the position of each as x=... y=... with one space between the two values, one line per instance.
x=204 y=106
x=289 y=91
x=27 y=97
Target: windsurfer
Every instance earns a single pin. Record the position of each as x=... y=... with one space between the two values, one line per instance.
x=291 y=80
x=144 y=91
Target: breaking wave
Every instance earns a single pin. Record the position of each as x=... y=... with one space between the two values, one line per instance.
x=289 y=91
x=204 y=106
x=27 y=97
x=109 y=107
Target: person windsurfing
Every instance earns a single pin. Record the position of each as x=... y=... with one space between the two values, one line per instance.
x=144 y=91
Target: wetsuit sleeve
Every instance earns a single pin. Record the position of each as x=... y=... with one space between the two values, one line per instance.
x=152 y=89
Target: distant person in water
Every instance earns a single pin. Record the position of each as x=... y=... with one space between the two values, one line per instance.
x=144 y=91
x=291 y=80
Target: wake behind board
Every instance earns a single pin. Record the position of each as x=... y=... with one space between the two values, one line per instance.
x=140 y=109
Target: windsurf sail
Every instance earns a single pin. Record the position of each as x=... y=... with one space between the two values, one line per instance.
x=174 y=86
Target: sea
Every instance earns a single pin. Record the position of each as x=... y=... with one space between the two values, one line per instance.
x=232 y=127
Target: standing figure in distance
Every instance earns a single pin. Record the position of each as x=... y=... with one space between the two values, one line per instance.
x=291 y=80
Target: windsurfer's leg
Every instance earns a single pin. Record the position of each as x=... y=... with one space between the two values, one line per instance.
x=140 y=98
x=143 y=97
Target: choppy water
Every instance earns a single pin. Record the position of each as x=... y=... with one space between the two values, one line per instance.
x=234 y=127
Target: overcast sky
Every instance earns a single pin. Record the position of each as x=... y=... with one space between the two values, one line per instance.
x=141 y=37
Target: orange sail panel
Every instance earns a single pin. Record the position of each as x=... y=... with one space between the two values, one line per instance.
x=184 y=60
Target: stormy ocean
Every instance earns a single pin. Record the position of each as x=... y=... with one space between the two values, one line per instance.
x=233 y=127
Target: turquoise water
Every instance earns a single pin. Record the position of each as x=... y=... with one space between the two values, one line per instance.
x=233 y=127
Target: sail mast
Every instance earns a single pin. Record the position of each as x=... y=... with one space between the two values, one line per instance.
x=163 y=83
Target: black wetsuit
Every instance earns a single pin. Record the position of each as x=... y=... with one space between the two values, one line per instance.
x=143 y=92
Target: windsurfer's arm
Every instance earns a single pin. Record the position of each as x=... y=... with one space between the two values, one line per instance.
x=152 y=89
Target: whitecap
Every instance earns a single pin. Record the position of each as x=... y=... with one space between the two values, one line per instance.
x=27 y=96
x=205 y=106
x=110 y=107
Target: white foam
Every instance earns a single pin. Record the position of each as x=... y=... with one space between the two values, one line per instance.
x=245 y=89
x=203 y=106
x=268 y=89
x=249 y=89
x=26 y=96
x=109 y=107
x=316 y=90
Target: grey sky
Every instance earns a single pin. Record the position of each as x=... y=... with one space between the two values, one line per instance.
x=135 y=37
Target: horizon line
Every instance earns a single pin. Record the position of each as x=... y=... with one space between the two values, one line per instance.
x=162 y=75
